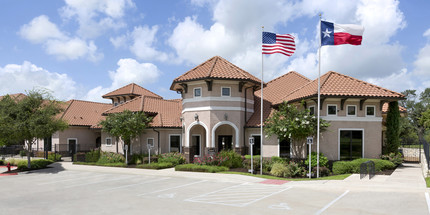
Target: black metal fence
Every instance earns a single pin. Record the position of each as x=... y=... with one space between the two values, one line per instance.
x=10 y=151
x=426 y=151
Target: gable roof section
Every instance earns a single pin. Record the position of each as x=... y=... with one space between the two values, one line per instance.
x=167 y=113
x=215 y=68
x=84 y=113
x=334 y=84
x=131 y=89
x=278 y=88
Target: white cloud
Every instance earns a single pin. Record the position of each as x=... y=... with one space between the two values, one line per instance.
x=40 y=29
x=27 y=76
x=392 y=81
x=96 y=16
x=128 y=71
x=73 y=49
x=119 y=42
x=144 y=39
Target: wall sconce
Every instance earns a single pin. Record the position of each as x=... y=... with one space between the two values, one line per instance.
x=196 y=117
x=226 y=116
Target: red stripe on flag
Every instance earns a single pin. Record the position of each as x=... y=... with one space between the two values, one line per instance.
x=345 y=38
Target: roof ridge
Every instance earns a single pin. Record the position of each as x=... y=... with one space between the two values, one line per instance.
x=114 y=107
x=194 y=68
x=213 y=66
x=132 y=88
x=78 y=100
x=64 y=112
x=290 y=72
x=142 y=103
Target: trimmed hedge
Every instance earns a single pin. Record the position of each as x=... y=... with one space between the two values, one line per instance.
x=102 y=164
x=35 y=164
x=92 y=156
x=344 y=167
x=172 y=157
x=200 y=168
x=162 y=165
x=110 y=157
x=54 y=157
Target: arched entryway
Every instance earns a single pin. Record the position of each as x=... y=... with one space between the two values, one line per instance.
x=225 y=136
x=196 y=139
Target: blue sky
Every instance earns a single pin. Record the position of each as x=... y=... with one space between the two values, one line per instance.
x=82 y=49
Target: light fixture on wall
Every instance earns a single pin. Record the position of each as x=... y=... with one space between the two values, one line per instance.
x=196 y=117
x=226 y=116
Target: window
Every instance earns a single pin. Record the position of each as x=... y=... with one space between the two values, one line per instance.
x=115 y=104
x=370 y=110
x=150 y=141
x=175 y=143
x=351 y=110
x=350 y=144
x=108 y=141
x=312 y=110
x=256 y=148
x=198 y=92
x=225 y=91
x=331 y=110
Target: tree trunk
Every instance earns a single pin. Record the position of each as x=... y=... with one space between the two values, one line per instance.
x=29 y=143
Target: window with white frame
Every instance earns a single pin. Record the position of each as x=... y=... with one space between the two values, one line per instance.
x=175 y=143
x=225 y=91
x=370 y=110
x=198 y=92
x=331 y=110
x=108 y=141
x=312 y=110
x=351 y=110
x=150 y=141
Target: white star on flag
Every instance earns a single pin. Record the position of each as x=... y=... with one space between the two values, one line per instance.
x=326 y=33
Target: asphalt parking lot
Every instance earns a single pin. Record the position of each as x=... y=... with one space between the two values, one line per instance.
x=100 y=190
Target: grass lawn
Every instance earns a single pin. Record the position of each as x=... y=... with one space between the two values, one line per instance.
x=333 y=177
x=428 y=181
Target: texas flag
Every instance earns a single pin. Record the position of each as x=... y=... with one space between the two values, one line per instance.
x=338 y=34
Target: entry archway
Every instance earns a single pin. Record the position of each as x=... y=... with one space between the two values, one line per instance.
x=236 y=133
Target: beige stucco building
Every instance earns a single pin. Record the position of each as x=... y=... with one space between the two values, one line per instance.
x=220 y=109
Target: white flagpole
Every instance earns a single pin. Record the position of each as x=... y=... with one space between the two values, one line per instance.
x=318 y=107
x=261 y=112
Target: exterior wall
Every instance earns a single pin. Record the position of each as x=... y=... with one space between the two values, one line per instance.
x=86 y=138
x=270 y=145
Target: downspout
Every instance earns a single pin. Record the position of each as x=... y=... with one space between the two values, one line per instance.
x=158 y=140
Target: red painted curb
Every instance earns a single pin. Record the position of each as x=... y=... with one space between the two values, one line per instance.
x=274 y=181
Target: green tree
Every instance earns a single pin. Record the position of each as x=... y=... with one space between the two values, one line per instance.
x=125 y=125
x=393 y=128
x=7 y=117
x=290 y=122
x=35 y=117
x=425 y=119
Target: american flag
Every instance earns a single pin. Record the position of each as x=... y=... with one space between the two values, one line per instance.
x=278 y=43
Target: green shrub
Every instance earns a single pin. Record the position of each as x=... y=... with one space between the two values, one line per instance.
x=344 y=167
x=35 y=164
x=1 y=162
x=276 y=159
x=163 y=165
x=324 y=171
x=23 y=153
x=323 y=160
x=294 y=170
x=231 y=159
x=210 y=160
x=79 y=156
x=137 y=158
x=254 y=156
x=92 y=156
x=101 y=164
x=54 y=157
x=279 y=169
x=110 y=157
x=396 y=158
x=200 y=168
x=173 y=157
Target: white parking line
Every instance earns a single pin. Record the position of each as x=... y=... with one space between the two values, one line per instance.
x=130 y=185
x=331 y=203
x=72 y=179
x=98 y=182
x=428 y=201
x=238 y=195
x=171 y=188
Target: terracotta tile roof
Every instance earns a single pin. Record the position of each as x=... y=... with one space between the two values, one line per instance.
x=84 y=113
x=385 y=108
x=166 y=113
x=255 y=120
x=16 y=96
x=334 y=84
x=215 y=68
x=280 y=87
x=131 y=89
